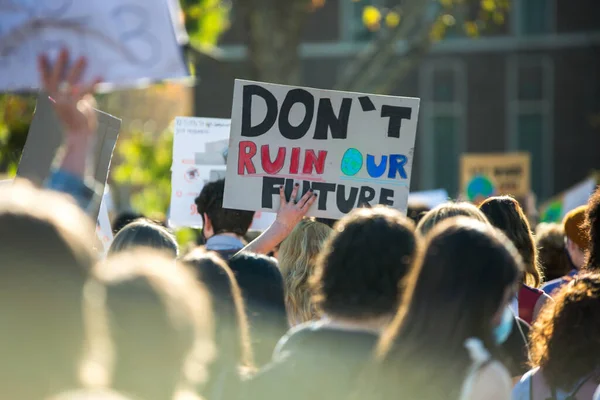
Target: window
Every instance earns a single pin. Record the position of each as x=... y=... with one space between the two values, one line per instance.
x=443 y=85
x=530 y=119
x=534 y=17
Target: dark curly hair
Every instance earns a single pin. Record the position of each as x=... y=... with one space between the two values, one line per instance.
x=505 y=213
x=358 y=272
x=223 y=220
x=592 y=223
x=565 y=339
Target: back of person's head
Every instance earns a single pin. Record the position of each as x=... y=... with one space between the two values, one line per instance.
x=150 y=325
x=144 y=233
x=46 y=250
x=565 y=341
x=550 y=241
x=327 y=221
x=592 y=223
x=457 y=290
x=359 y=269
x=445 y=211
x=416 y=211
x=297 y=259
x=123 y=219
x=232 y=337
x=506 y=214
x=222 y=220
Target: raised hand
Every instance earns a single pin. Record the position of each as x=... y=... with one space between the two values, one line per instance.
x=291 y=212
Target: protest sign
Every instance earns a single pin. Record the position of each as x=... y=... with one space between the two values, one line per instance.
x=123 y=40
x=351 y=149
x=200 y=149
x=103 y=226
x=430 y=198
x=557 y=207
x=45 y=137
x=485 y=175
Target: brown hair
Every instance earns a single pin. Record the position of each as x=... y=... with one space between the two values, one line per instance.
x=297 y=260
x=550 y=240
x=358 y=272
x=565 y=339
x=448 y=210
x=505 y=213
x=144 y=233
x=592 y=223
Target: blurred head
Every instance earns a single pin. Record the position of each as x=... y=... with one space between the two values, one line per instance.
x=123 y=219
x=359 y=269
x=458 y=289
x=232 y=333
x=445 y=211
x=216 y=219
x=144 y=233
x=565 y=341
x=577 y=237
x=297 y=259
x=592 y=224
x=46 y=250
x=506 y=214
x=550 y=241
x=150 y=326
x=416 y=211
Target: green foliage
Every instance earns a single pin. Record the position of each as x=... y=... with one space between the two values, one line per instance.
x=16 y=113
x=205 y=20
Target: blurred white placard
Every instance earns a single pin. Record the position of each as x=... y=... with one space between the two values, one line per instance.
x=125 y=41
x=431 y=198
x=200 y=148
x=578 y=195
x=103 y=227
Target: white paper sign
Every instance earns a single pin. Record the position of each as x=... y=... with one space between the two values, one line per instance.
x=431 y=198
x=103 y=227
x=123 y=40
x=352 y=149
x=578 y=195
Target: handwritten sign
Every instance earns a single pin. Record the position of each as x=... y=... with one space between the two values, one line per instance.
x=351 y=149
x=485 y=175
x=124 y=40
x=200 y=150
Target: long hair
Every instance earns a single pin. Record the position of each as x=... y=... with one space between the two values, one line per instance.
x=232 y=336
x=297 y=259
x=452 y=293
x=592 y=223
x=565 y=340
x=506 y=214
x=445 y=211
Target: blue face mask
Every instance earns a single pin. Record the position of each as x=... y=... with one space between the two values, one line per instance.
x=502 y=330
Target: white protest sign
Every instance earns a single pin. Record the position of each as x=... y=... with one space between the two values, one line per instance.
x=124 y=40
x=578 y=195
x=351 y=149
x=200 y=149
x=103 y=227
x=431 y=198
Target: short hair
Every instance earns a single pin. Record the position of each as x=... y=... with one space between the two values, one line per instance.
x=144 y=293
x=297 y=260
x=144 y=233
x=416 y=211
x=448 y=210
x=47 y=253
x=550 y=241
x=592 y=223
x=505 y=213
x=566 y=335
x=358 y=272
x=224 y=220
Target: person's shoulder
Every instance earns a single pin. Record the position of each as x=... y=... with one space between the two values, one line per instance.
x=492 y=382
x=532 y=290
x=550 y=286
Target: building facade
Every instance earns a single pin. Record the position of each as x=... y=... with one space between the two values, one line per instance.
x=533 y=85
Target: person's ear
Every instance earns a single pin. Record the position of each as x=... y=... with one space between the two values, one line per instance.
x=207 y=228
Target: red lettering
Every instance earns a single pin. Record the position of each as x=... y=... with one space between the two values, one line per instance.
x=272 y=167
x=247 y=151
x=313 y=162
x=295 y=161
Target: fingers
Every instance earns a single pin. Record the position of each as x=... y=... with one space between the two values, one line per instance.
x=294 y=193
x=58 y=69
x=44 y=71
x=282 y=199
x=75 y=73
x=91 y=88
x=305 y=198
x=309 y=202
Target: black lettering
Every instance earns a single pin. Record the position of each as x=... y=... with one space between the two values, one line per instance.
x=253 y=131
x=344 y=204
x=366 y=195
x=386 y=197
x=270 y=187
x=294 y=96
x=305 y=187
x=323 y=189
x=327 y=120
x=396 y=115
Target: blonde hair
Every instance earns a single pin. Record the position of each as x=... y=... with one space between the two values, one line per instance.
x=297 y=259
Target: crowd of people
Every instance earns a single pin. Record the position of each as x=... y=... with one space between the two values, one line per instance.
x=459 y=302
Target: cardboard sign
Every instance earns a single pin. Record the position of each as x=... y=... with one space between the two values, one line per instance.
x=45 y=137
x=351 y=149
x=123 y=40
x=485 y=175
x=200 y=150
